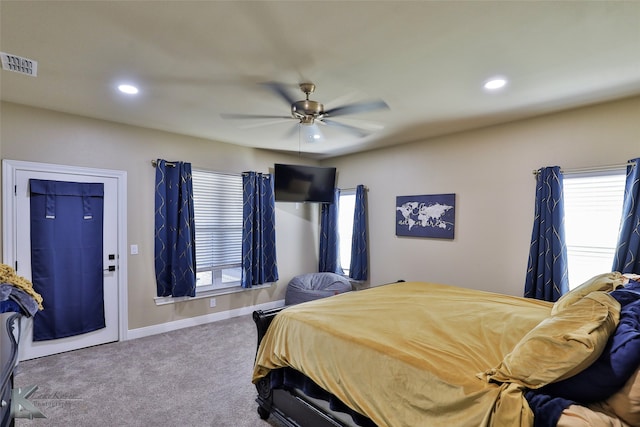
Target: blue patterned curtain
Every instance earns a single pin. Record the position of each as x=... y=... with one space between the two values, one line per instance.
x=329 y=259
x=627 y=257
x=175 y=250
x=547 y=274
x=359 y=268
x=258 y=231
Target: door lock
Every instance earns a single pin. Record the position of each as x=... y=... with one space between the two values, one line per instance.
x=110 y=268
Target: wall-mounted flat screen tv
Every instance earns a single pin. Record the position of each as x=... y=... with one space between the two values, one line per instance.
x=299 y=183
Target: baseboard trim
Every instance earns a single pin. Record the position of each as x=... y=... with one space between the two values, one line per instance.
x=200 y=320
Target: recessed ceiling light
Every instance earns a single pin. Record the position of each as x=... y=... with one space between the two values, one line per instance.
x=128 y=89
x=495 y=83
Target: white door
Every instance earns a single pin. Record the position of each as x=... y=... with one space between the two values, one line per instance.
x=30 y=349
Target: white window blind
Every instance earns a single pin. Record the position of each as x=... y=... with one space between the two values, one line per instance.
x=218 y=219
x=593 y=208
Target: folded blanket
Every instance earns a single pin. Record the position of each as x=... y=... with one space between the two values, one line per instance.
x=26 y=302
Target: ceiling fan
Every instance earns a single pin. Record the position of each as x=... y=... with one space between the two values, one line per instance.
x=309 y=113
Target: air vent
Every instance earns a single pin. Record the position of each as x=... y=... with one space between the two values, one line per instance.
x=19 y=64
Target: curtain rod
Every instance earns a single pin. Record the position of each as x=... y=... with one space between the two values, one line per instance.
x=267 y=174
x=354 y=189
x=154 y=163
x=594 y=168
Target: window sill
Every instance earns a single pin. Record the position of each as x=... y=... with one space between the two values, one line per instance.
x=208 y=294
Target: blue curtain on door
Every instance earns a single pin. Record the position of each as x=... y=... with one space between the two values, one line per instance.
x=66 y=257
x=359 y=268
x=175 y=249
x=329 y=257
x=627 y=256
x=258 y=231
x=547 y=273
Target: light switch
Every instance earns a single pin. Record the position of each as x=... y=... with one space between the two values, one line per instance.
x=134 y=249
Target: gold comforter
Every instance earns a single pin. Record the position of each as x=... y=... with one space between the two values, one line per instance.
x=409 y=354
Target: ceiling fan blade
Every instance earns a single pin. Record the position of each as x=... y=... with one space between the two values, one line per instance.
x=293 y=131
x=281 y=90
x=351 y=129
x=359 y=107
x=254 y=125
x=265 y=120
x=252 y=116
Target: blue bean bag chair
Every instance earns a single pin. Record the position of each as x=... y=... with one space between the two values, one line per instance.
x=312 y=286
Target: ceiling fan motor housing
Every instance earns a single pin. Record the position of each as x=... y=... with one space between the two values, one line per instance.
x=307 y=111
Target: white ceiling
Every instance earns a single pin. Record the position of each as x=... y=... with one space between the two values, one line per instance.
x=196 y=60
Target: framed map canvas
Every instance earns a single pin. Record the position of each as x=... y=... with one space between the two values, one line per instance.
x=426 y=216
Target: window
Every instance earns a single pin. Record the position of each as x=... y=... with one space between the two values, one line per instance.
x=346 y=207
x=593 y=207
x=217 y=200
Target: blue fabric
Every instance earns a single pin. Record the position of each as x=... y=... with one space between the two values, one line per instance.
x=546 y=409
x=547 y=274
x=175 y=250
x=259 y=264
x=66 y=257
x=10 y=306
x=329 y=257
x=5 y=291
x=359 y=268
x=627 y=256
x=28 y=306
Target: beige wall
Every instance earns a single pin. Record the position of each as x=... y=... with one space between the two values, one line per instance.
x=44 y=136
x=490 y=171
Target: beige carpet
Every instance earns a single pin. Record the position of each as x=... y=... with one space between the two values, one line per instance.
x=199 y=376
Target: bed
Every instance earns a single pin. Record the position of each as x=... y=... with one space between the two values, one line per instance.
x=425 y=354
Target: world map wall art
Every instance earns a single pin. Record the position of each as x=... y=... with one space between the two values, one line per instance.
x=426 y=216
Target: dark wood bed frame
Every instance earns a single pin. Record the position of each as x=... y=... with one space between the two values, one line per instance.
x=289 y=406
